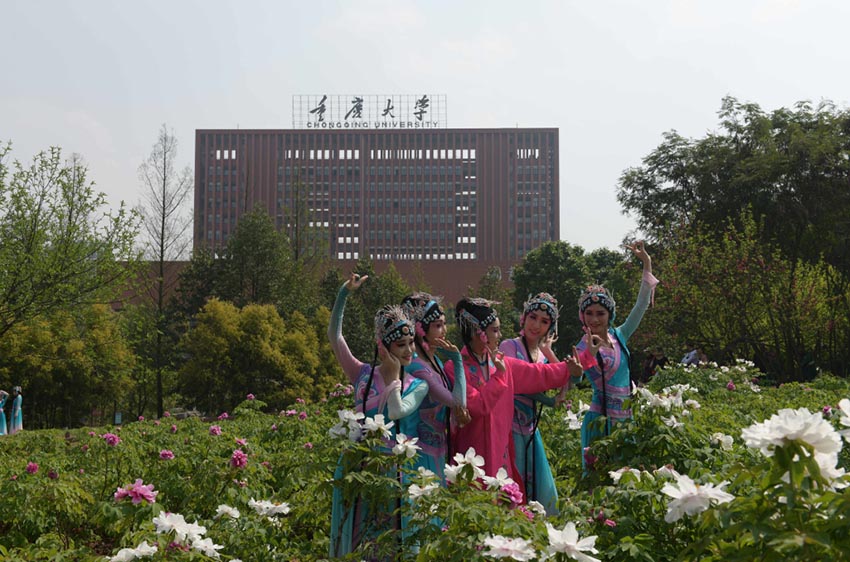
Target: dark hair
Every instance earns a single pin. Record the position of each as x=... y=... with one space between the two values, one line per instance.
x=474 y=315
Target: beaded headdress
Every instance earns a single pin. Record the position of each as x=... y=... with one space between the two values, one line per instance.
x=475 y=314
x=597 y=294
x=423 y=308
x=392 y=324
x=545 y=303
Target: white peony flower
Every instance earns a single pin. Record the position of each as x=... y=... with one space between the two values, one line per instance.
x=130 y=554
x=617 y=474
x=167 y=522
x=537 y=507
x=672 y=422
x=405 y=446
x=507 y=547
x=667 y=471
x=691 y=498
x=207 y=546
x=231 y=512
x=566 y=541
x=378 y=425
x=501 y=479
x=267 y=508
x=789 y=425
x=573 y=421
x=415 y=491
x=725 y=441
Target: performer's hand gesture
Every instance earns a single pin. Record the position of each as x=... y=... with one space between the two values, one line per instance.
x=442 y=344
x=595 y=343
x=354 y=281
x=390 y=365
x=461 y=415
x=574 y=365
x=499 y=361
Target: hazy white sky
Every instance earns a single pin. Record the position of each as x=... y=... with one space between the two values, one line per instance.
x=99 y=77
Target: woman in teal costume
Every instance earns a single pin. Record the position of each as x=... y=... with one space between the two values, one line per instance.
x=377 y=390
x=3 y=396
x=445 y=404
x=538 y=327
x=612 y=383
x=16 y=419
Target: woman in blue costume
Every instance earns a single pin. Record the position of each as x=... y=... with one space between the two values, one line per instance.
x=538 y=325
x=3 y=396
x=16 y=420
x=446 y=401
x=612 y=383
x=379 y=389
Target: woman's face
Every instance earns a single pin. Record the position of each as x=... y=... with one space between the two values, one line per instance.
x=403 y=349
x=536 y=326
x=436 y=330
x=596 y=318
x=494 y=334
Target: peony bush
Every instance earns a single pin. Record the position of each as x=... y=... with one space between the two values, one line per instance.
x=714 y=466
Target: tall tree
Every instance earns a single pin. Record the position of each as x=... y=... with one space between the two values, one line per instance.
x=167 y=223
x=58 y=248
x=790 y=166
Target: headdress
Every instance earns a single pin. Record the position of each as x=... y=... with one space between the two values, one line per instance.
x=545 y=303
x=423 y=308
x=475 y=314
x=597 y=294
x=392 y=324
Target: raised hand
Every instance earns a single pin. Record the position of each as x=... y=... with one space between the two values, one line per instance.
x=355 y=280
x=442 y=344
x=390 y=365
x=574 y=365
x=639 y=250
x=594 y=343
x=499 y=361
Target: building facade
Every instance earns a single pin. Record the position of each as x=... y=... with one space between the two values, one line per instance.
x=468 y=196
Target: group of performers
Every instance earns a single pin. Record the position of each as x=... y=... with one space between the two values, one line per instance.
x=16 y=422
x=486 y=395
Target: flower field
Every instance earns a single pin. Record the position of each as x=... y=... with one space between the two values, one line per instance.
x=713 y=467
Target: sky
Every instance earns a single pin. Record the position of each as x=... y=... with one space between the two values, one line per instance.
x=100 y=77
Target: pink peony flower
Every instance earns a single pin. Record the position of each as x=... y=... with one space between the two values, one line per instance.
x=82 y=471
x=827 y=410
x=610 y=523
x=215 y=430
x=52 y=475
x=137 y=492
x=302 y=416
x=241 y=442
x=527 y=512
x=308 y=445
x=250 y=397
x=32 y=467
x=173 y=428
x=111 y=439
x=238 y=459
x=292 y=412
x=730 y=385
x=166 y=455
x=141 y=418
x=14 y=477
x=274 y=427
x=513 y=492
x=166 y=414
x=92 y=433
x=85 y=448
x=223 y=416
x=156 y=422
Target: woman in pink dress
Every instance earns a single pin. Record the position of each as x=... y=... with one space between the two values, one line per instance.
x=492 y=381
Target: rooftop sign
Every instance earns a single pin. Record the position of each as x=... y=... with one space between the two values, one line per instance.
x=393 y=111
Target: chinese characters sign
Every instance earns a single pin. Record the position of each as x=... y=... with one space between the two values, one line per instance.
x=394 y=111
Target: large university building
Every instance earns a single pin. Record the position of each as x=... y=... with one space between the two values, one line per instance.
x=450 y=202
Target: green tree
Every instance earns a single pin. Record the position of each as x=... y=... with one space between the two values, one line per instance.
x=233 y=352
x=790 y=166
x=75 y=366
x=58 y=248
x=256 y=262
x=737 y=296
